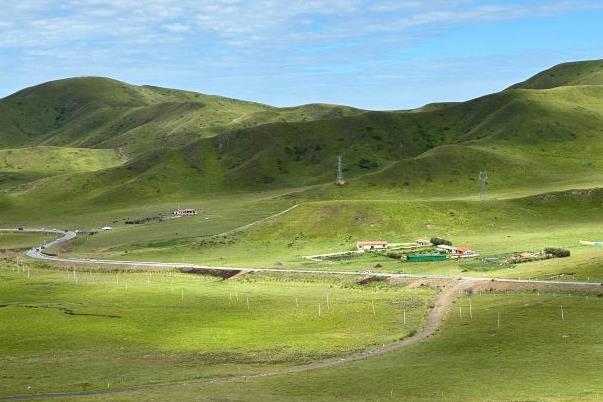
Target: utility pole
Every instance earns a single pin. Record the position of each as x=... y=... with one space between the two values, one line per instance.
x=483 y=180
x=340 y=180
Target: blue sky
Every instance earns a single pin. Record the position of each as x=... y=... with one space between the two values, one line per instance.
x=380 y=54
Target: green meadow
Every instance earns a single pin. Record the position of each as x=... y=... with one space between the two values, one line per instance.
x=494 y=228
x=532 y=355
x=101 y=152
x=68 y=330
x=19 y=241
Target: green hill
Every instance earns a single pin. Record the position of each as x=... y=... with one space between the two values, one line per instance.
x=22 y=165
x=566 y=74
x=181 y=144
x=104 y=113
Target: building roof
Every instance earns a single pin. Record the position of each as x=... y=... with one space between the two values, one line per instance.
x=446 y=247
x=371 y=243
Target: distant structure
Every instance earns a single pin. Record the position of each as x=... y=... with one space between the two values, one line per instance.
x=370 y=245
x=340 y=180
x=423 y=242
x=483 y=180
x=185 y=212
x=106 y=228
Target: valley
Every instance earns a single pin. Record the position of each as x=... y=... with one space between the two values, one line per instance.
x=136 y=311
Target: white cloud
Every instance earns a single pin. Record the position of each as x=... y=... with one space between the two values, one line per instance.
x=31 y=23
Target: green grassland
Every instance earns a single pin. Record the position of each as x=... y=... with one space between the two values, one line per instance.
x=552 y=133
x=69 y=331
x=505 y=226
x=87 y=152
x=534 y=355
x=24 y=165
x=18 y=241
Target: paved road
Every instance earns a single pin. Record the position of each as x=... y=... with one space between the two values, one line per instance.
x=39 y=253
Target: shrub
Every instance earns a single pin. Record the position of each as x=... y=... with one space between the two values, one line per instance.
x=557 y=252
x=367 y=164
x=436 y=241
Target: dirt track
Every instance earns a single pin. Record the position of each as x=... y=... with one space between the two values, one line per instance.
x=441 y=304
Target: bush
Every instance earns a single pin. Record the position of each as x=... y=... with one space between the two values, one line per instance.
x=557 y=252
x=367 y=164
x=436 y=241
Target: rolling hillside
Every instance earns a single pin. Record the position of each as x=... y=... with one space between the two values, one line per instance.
x=566 y=74
x=98 y=112
x=183 y=145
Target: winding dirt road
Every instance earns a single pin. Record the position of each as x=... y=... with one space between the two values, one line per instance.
x=441 y=304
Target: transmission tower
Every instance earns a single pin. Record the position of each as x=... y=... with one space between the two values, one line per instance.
x=483 y=180
x=340 y=180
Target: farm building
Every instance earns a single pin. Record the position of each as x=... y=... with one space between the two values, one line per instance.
x=446 y=249
x=371 y=245
x=185 y=212
x=461 y=252
x=423 y=242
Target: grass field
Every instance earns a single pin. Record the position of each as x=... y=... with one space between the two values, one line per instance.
x=19 y=241
x=89 y=152
x=533 y=355
x=494 y=228
x=66 y=331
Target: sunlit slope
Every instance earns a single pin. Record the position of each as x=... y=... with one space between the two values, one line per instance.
x=499 y=226
x=566 y=74
x=104 y=113
x=22 y=165
x=529 y=141
x=101 y=112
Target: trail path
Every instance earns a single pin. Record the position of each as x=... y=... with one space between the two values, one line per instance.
x=441 y=304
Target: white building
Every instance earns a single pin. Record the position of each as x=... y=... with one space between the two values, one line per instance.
x=185 y=212
x=371 y=245
x=423 y=242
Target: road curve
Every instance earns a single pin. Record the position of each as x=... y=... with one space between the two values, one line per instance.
x=66 y=235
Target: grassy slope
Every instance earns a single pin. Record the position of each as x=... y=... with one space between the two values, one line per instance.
x=533 y=355
x=23 y=165
x=554 y=134
x=575 y=73
x=104 y=113
x=178 y=326
x=551 y=220
x=16 y=241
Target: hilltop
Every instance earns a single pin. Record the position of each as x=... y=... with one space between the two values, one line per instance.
x=97 y=112
x=566 y=74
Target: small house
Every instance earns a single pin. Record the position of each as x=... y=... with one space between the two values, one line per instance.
x=423 y=242
x=186 y=212
x=461 y=252
x=106 y=228
x=370 y=245
x=446 y=249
